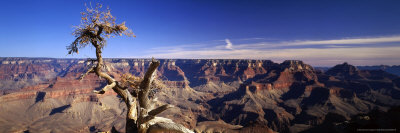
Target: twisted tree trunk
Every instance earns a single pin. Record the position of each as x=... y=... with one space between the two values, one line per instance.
x=140 y=117
x=95 y=25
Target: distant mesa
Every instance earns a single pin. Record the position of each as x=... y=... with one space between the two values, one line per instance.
x=345 y=70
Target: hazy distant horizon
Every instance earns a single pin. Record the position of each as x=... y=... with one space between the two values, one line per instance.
x=314 y=65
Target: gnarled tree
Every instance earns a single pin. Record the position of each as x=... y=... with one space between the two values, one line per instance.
x=96 y=26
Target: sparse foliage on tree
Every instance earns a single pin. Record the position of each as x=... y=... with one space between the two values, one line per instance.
x=96 y=26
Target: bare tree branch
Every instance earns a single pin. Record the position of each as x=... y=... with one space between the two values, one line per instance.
x=98 y=25
x=146 y=119
x=145 y=85
x=160 y=109
x=168 y=127
x=105 y=88
x=90 y=70
x=132 y=106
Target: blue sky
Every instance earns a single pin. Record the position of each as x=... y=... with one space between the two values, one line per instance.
x=322 y=33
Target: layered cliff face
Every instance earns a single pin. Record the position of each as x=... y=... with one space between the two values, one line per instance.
x=54 y=83
x=17 y=73
x=45 y=95
x=293 y=97
x=261 y=98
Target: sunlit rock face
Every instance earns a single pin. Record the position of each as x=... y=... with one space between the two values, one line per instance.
x=45 y=95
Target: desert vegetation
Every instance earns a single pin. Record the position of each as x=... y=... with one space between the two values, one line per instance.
x=98 y=25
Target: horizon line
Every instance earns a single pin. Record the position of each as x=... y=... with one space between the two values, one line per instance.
x=199 y=59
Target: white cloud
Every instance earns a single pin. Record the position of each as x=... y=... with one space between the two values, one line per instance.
x=350 y=41
x=314 y=56
x=325 y=43
x=330 y=55
x=228 y=44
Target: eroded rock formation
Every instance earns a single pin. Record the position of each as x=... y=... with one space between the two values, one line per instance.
x=245 y=95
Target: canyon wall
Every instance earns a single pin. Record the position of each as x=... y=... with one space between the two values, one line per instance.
x=45 y=95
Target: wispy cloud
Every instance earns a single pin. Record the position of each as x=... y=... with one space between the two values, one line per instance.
x=322 y=43
x=228 y=44
x=364 y=51
x=370 y=40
